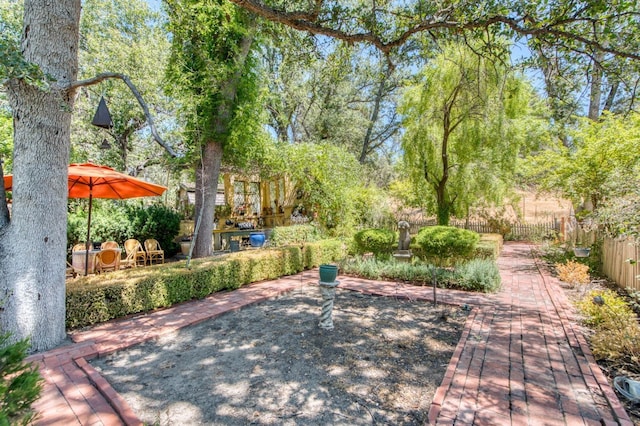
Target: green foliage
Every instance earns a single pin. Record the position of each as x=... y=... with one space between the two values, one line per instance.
x=119 y=222
x=479 y=275
x=93 y=299
x=214 y=77
x=610 y=314
x=446 y=244
x=155 y=221
x=617 y=333
x=378 y=241
x=377 y=269
x=620 y=345
x=463 y=131
x=555 y=254
x=293 y=235
x=329 y=182
x=20 y=383
x=12 y=63
x=323 y=251
x=489 y=246
x=597 y=168
x=127 y=37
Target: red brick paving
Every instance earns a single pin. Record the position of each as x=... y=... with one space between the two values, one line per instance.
x=521 y=359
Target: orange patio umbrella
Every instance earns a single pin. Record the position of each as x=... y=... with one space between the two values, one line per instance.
x=91 y=181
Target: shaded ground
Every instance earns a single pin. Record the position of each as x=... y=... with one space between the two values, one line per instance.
x=271 y=364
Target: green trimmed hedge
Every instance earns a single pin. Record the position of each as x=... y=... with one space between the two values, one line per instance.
x=292 y=235
x=489 y=246
x=96 y=299
x=376 y=240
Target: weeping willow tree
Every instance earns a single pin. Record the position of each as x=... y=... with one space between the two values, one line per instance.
x=462 y=132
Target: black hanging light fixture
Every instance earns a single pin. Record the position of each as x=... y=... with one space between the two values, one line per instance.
x=105 y=144
x=102 y=117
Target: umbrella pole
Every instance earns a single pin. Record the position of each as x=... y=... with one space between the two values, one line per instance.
x=86 y=254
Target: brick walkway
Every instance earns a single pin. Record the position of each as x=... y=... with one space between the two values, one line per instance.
x=521 y=359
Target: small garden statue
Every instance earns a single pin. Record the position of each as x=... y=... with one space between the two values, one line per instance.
x=405 y=239
x=403 y=254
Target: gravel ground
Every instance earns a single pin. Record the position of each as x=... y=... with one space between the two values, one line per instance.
x=271 y=364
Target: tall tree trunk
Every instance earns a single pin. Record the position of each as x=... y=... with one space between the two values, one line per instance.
x=366 y=145
x=596 y=88
x=207 y=181
x=209 y=170
x=33 y=244
x=443 y=206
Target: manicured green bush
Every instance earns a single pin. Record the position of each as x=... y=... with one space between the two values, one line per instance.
x=489 y=246
x=324 y=251
x=293 y=235
x=378 y=241
x=95 y=299
x=20 y=383
x=478 y=275
x=446 y=244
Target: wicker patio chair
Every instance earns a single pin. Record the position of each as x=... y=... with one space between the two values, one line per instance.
x=135 y=253
x=109 y=245
x=107 y=260
x=154 y=251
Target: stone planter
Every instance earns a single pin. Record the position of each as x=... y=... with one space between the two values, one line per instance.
x=184 y=247
x=581 y=251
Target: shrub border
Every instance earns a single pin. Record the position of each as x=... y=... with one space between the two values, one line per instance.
x=91 y=300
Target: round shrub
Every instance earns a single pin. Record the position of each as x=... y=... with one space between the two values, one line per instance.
x=446 y=243
x=378 y=241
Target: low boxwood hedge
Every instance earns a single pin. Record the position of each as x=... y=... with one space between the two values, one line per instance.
x=489 y=246
x=94 y=299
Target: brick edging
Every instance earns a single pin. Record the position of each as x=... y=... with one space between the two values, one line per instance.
x=596 y=372
x=441 y=391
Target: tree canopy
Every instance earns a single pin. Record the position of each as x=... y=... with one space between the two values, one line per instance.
x=461 y=135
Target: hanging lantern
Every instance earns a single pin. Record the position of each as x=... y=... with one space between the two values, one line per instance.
x=102 y=118
x=105 y=144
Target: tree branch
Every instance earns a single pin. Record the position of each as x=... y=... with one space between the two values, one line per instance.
x=526 y=25
x=108 y=75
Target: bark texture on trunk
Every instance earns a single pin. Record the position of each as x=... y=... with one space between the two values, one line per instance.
x=207 y=181
x=33 y=244
x=208 y=172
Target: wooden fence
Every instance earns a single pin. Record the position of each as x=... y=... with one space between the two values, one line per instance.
x=620 y=257
x=517 y=231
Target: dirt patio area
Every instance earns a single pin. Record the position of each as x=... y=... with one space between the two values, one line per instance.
x=270 y=363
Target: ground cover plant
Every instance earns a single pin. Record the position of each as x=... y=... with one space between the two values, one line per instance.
x=474 y=275
x=270 y=363
x=607 y=311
